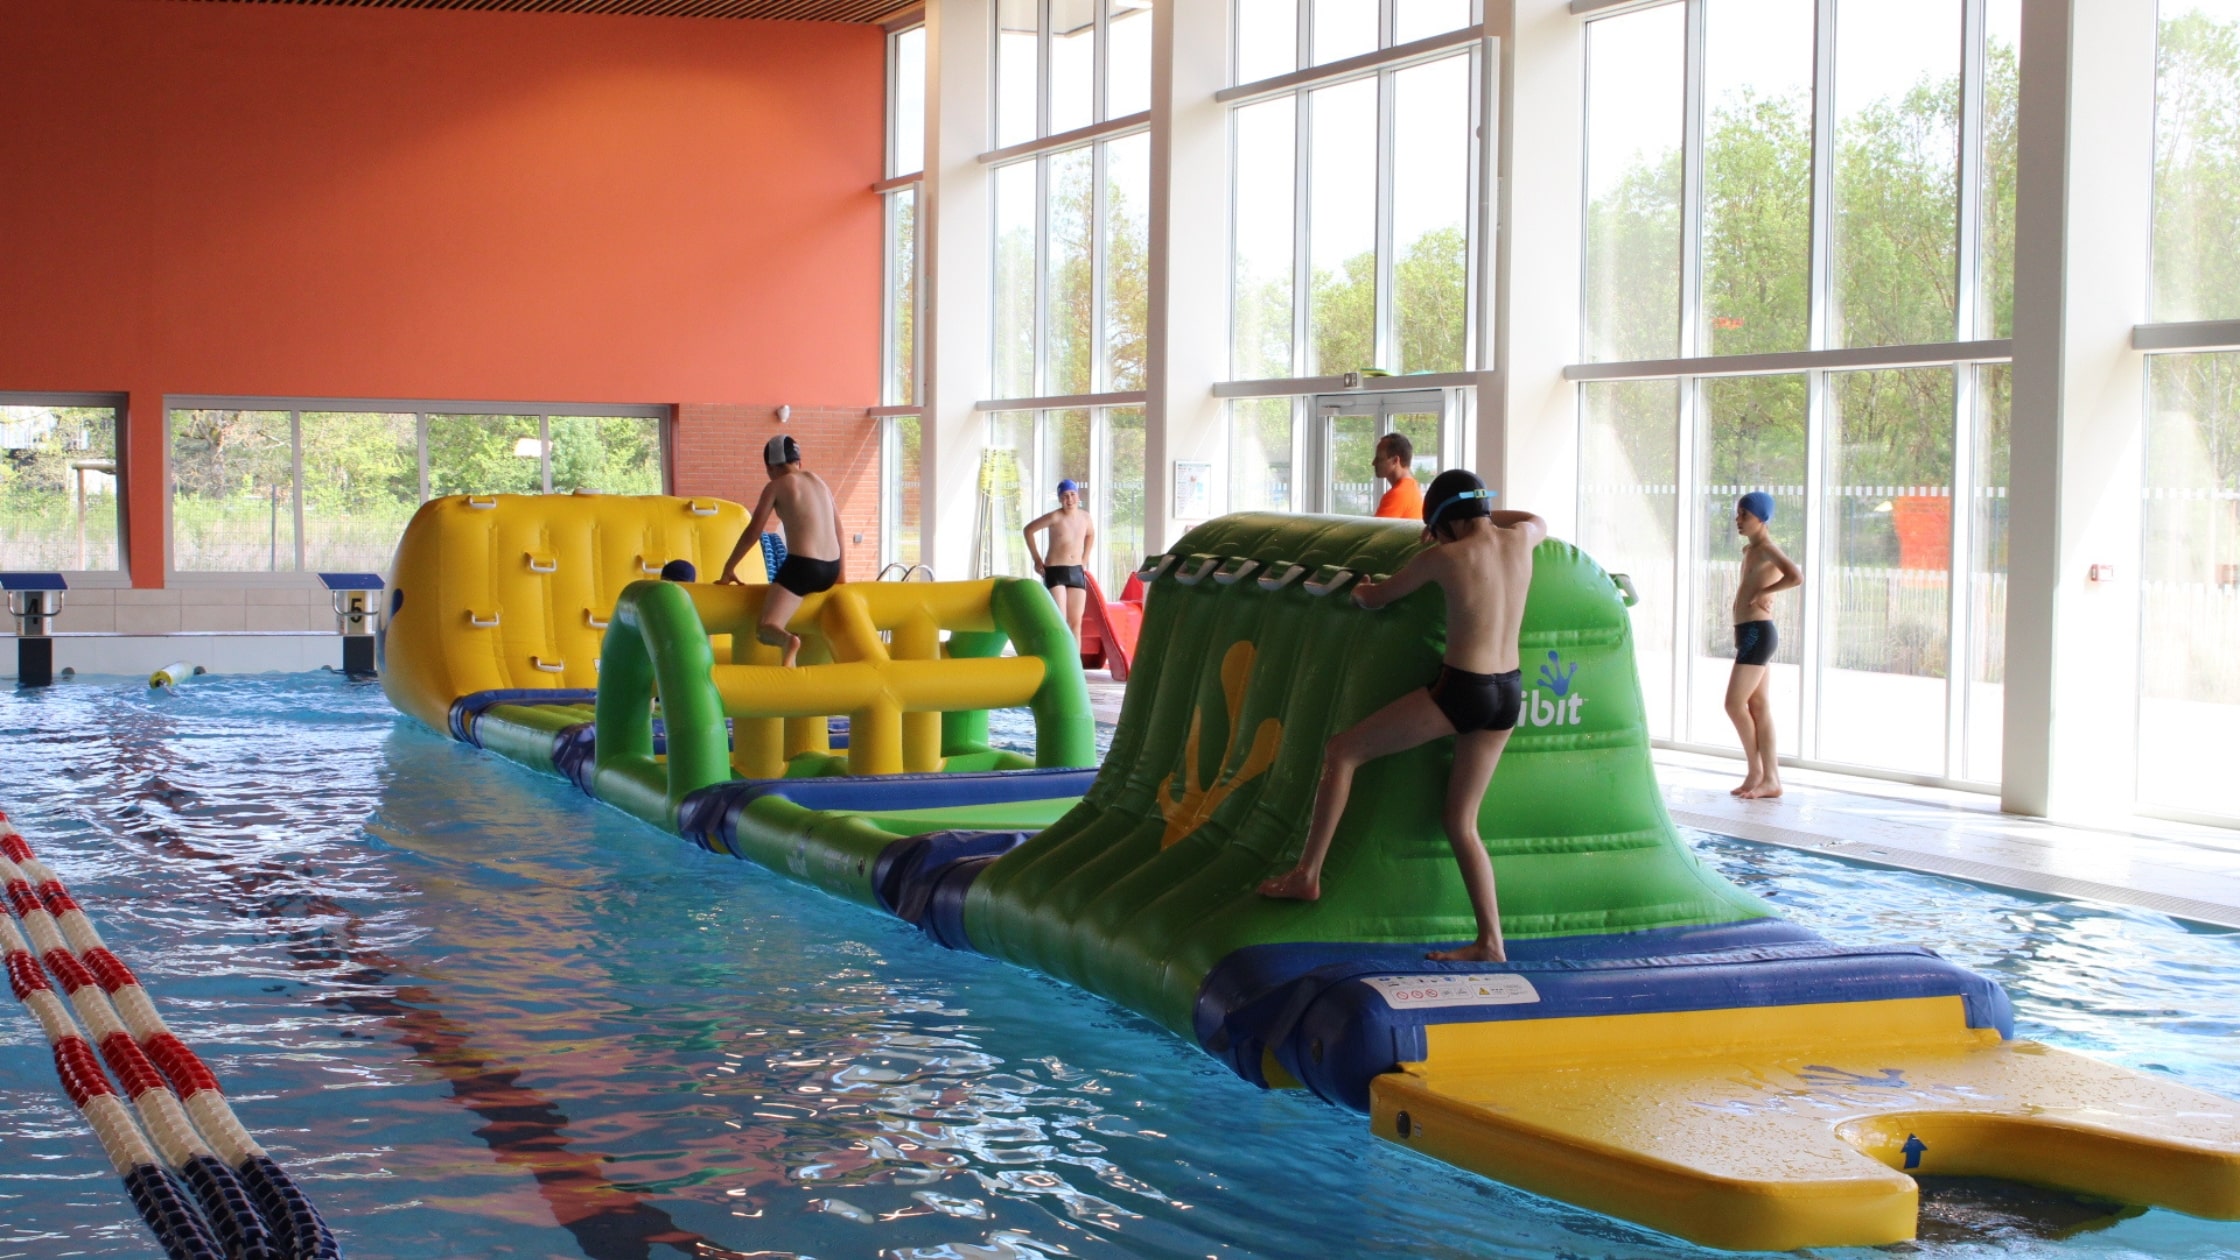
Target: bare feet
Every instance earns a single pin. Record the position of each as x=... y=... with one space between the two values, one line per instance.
x=793 y=648
x=1293 y=885
x=1744 y=788
x=1766 y=791
x=1480 y=951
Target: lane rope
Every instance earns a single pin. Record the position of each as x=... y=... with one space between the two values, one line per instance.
x=145 y=1053
x=174 y=1219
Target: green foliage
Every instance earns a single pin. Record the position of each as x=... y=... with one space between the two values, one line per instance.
x=1757 y=234
x=40 y=524
x=1342 y=323
x=1431 y=301
x=2197 y=170
x=1633 y=265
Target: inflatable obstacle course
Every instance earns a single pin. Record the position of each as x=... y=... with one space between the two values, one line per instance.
x=1660 y=1047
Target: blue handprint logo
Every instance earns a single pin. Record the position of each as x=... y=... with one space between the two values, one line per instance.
x=1556 y=676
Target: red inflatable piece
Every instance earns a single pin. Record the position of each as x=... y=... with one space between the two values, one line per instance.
x=1108 y=628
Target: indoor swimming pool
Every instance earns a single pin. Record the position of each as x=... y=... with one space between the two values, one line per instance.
x=480 y=1015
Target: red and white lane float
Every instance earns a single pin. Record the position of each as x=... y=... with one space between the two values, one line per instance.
x=257 y=1209
x=177 y=1223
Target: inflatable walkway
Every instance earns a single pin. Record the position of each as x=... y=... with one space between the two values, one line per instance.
x=1660 y=1047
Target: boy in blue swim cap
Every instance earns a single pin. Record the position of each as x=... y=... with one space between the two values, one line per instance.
x=1482 y=559
x=1072 y=534
x=1765 y=570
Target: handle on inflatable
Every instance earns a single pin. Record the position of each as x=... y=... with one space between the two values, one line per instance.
x=548 y=667
x=543 y=564
x=479 y=624
x=1154 y=566
x=1280 y=575
x=697 y=508
x=1235 y=570
x=1193 y=576
x=591 y=619
x=1327 y=579
x=482 y=505
x=1626 y=593
x=650 y=570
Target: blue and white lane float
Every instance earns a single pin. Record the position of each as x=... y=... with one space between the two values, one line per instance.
x=170 y=1214
x=142 y=1050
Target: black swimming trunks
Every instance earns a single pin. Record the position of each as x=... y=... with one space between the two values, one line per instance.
x=1057 y=575
x=1754 y=642
x=1478 y=702
x=804 y=576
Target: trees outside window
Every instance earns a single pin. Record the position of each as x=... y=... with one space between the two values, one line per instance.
x=1760 y=183
x=58 y=488
x=267 y=490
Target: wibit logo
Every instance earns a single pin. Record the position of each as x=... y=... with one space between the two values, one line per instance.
x=1555 y=677
x=1198 y=801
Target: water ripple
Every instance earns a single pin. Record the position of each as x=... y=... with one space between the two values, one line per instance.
x=484 y=1016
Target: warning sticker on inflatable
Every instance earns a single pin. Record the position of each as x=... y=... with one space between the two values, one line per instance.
x=1497 y=988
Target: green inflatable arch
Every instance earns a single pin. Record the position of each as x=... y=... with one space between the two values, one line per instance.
x=1245 y=673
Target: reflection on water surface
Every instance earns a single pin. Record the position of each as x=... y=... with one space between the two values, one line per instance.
x=482 y=1016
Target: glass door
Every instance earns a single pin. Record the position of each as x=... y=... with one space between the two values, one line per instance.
x=1347 y=428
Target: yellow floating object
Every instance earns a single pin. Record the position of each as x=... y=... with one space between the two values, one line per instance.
x=175 y=673
x=514 y=591
x=1776 y=1128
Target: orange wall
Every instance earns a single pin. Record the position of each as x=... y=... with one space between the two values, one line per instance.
x=334 y=202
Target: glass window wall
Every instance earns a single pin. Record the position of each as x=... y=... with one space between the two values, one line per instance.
x=1761 y=182
x=2189 y=702
x=58 y=488
x=267 y=490
x=1352 y=231
x=1635 y=100
x=2197 y=162
x=1062 y=65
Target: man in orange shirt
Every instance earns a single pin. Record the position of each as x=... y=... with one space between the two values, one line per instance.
x=1395 y=458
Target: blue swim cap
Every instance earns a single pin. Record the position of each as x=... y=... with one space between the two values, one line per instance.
x=679 y=571
x=1757 y=503
x=1067 y=485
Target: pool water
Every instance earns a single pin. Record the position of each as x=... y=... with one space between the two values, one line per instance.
x=480 y=1015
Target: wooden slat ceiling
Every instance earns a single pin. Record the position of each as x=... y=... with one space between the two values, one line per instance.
x=795 y=10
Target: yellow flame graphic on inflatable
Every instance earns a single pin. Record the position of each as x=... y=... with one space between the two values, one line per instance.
x=1199 y=801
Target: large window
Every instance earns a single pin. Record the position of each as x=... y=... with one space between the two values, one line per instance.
x=2197 y=162
x=58 y=485
x=1071 y=260
x=2189 y=706
x=1062 y=65
x=1352 y=234
x=901 y=352
x=2189 y=607
x=273 y=489
x=1772 y=200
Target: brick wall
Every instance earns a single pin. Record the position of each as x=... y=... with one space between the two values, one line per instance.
x=717 y=451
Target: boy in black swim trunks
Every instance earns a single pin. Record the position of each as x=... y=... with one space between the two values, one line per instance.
x=1483 y=560
x=1765 y=570
x=804 y=506
x=1064 y=566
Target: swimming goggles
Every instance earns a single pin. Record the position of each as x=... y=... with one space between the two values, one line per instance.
x=1441 y=510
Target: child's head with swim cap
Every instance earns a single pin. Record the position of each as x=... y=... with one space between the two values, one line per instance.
x=1757 y=503
x=1453 y=496
x=679 y=571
